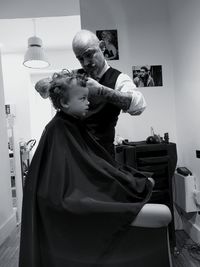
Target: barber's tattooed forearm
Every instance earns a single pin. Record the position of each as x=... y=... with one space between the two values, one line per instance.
x=120 y=99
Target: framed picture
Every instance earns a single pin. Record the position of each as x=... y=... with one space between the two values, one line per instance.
x=147 y=76
x=111 y=43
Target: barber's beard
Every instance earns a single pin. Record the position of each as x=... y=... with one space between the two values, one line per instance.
x=92 y=71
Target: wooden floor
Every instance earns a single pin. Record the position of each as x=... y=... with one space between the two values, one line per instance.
x=189 y=252
x=9 y=251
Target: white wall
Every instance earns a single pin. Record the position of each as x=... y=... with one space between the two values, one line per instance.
x=16 y=84
x=143 y=38
x=185 y=25
x=7 y=215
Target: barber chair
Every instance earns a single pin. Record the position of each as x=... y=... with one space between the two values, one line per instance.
x=151 y=236
x=146 y=243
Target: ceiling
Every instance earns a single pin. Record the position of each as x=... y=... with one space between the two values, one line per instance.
x=56 y=32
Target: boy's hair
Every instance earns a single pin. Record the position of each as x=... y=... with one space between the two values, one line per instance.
x=43 y=86
x=61 y=84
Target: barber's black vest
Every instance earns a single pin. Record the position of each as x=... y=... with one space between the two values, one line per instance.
x=102 y=116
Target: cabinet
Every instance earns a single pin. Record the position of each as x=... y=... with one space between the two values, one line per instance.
x=159 y=159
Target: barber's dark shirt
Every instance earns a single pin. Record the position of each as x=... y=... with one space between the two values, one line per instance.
x=102 y=116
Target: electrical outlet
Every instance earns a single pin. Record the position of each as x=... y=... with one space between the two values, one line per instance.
x=198 y=154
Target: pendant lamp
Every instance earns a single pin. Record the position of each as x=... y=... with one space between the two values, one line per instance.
x=35 y=56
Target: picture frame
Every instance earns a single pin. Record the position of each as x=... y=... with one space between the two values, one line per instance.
x=110 y=39
x=147 y=75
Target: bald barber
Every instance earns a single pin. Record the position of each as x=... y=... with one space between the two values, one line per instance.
x=110 y=90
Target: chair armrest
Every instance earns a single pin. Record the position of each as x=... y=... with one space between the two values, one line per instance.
x=153 y=216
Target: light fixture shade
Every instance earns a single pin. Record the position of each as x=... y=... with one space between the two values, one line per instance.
x=35 y=57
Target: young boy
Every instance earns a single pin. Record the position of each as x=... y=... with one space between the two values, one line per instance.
x=69 y=94
x=77 y=200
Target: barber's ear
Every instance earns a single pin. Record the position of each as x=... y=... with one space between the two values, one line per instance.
x=64 y=104
x=102 y=45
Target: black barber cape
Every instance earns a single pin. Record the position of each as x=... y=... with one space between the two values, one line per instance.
x=77 y=201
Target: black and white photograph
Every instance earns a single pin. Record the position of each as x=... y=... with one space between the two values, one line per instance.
x=147 y=76
x=99 y=133
x=110 y=39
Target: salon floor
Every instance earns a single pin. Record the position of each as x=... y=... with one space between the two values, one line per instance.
x=9 y=250
x=189 y=254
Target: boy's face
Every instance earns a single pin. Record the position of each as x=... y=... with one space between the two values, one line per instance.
x=77 y=104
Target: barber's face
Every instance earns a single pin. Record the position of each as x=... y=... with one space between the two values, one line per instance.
x=91 y=58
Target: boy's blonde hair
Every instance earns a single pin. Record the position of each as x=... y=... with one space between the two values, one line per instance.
x=43 y=86
x=61 y=84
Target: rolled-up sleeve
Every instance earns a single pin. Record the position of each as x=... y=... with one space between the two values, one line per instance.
x=125 y=84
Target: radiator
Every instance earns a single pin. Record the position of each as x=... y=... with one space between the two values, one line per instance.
x=186 y=196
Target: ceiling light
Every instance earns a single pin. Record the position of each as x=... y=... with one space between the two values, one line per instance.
x=35 y=56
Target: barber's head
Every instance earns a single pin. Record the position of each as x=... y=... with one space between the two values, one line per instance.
x=89 y=51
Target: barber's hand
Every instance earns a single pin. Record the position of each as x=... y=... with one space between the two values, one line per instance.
x=152 y=181
x=93 y=86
